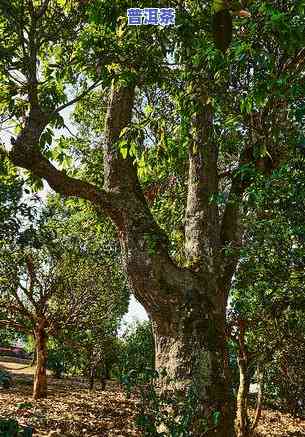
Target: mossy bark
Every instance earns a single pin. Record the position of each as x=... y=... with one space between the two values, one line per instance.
x=192 y=353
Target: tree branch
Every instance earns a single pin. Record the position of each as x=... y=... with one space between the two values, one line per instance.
x=77 y=98
x=25 y=153
x=43 y=9
x=202 y=214
x=28 y=295
x=231 y=232
x=22 y=307
x=15 y=325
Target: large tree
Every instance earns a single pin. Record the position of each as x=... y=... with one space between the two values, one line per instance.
x=231 y=115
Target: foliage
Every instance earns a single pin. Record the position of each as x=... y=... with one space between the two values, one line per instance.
x=56 y=359
x=65 y=280
x=63 y=260
x=90 y=246
x=13 y=210
x=166 y=413
x=285 y=379
x=5 y=379
x=135 y=349
x=11 y=428
x=7 y=336
x=268 y=289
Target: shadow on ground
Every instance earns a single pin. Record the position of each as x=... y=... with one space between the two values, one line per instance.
x=70 y=409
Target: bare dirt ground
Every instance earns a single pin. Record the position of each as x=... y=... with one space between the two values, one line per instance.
x=277 y=424
x=72 y=411
x=18 y=368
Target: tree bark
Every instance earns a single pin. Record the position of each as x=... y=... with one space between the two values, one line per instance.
x=103 y=374
x=40 y=378
x=192 y=353
x=92 y=375
x=258 y=410
x=242 y=419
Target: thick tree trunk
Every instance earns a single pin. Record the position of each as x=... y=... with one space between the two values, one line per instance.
x=192 y=352
x=187 y=306
x=40 y=379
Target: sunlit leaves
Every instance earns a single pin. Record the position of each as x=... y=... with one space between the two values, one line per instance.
x=12 y=209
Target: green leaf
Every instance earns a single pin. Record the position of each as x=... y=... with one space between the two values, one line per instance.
x=124 y=152
x=124 y=131
x=219 y=5
x=216 y=417
x=133 y=149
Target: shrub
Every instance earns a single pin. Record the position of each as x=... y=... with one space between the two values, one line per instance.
x=135 y=350
x=11 y=428
x=168 y=413
x=5 y=379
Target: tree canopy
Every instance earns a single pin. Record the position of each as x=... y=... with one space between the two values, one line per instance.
x=179 y=131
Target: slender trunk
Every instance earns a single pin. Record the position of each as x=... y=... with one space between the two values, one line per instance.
x=92 y=377
x=33 y=362
x=103 y=383
x=258 y=410
x=192 y=352
x=107 y=370
x=103 y=374
x=40 y=378
x=242 y=420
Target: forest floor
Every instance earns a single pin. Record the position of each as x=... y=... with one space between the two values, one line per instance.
x=72 y=411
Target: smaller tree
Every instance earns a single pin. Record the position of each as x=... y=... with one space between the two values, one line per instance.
x=51 y=290
x=249 y=362
x=27 y=284
x=267 y=297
